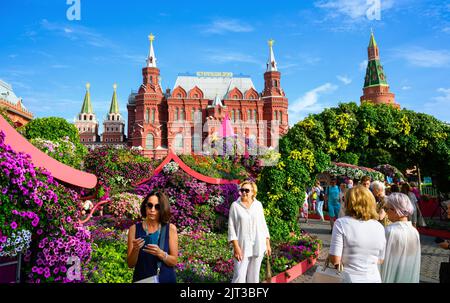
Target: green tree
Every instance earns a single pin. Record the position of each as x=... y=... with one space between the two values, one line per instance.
x=366 y=135
x=60 y=133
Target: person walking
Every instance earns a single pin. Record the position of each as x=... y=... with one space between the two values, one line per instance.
x=378 y=191
x=318 y=189
x=416 y=216
x=249 y=234
x=358 y=240
x=332 y=198
x=146 y=252
x=403 y=251
x=342 y=191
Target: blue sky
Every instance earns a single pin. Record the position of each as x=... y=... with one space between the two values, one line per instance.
x=320 y=47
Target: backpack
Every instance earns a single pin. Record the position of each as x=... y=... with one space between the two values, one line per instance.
x=322 y=196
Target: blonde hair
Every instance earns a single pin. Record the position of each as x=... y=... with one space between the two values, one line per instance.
x=360 y=203
x=253 y=185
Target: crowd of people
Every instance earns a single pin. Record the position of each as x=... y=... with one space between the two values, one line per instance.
x=374 y=233
x=373 y=228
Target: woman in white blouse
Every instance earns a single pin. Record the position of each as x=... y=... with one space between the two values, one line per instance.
x=249 y=235
x=402 y=262
x=358 y=240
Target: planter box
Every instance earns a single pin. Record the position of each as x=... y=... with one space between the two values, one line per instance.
x=10 y=269
x=434 y=232
x=296 y=271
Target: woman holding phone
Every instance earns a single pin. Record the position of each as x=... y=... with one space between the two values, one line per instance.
x=249 y=235
x=153 y=243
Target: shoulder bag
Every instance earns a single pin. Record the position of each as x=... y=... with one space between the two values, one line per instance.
x=162 y=242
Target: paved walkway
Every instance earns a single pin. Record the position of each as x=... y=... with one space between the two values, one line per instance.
x=432 y=254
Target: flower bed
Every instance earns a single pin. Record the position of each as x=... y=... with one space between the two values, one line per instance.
x=35 y=207
x=195 y=205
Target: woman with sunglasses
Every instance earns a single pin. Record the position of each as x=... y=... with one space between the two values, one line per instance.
x=146 y=252
x=403 y=251
x=249 y=235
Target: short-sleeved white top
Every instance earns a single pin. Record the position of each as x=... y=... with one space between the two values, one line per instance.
x=360 y=244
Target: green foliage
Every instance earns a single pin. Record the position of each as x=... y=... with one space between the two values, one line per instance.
x=202 y=256
x=62 y=150
x=51 y=128
x=366 y=135
x=108 y=263
x=5 y=115
x=59 y=131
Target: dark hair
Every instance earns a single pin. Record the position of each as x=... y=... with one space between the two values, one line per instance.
x=164 y=211
x=405 y=188
x=395 y=188
x=365 y=178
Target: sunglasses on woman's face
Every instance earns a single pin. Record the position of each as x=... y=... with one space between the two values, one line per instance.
x=150 y=206
x=244 y=190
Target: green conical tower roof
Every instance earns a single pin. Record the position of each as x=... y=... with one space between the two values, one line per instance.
x=375 y=75
x=114 y=109
x=372 y=42
x=87 y=105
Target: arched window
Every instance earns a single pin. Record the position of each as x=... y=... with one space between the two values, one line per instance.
x=176 y=114
x=193 y=114
x=275 y=116
x=147 y=116
x=249 y=114
x=182 y=114
x=179 y=141
x=196 y=143
x=281 y=116
x=151 y=79
x=153 y=115
x=255 y=114
x=90 y=117
x=232 y=116
x=149 y=142
x=106 y=140
x=238 y=118
x=178 y=95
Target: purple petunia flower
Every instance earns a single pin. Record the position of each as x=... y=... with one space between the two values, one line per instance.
x=13 y=225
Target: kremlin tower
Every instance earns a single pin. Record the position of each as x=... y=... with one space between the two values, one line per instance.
x=376 y=88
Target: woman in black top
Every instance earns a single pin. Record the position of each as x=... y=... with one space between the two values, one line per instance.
x=145 y=253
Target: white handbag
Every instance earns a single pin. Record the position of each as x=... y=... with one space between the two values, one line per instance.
x=152 y=279
x=325 y=274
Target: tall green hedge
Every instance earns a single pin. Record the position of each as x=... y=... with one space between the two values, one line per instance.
x=366 y=135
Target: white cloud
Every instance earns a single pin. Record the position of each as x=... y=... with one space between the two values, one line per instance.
x=309 y=102
x=422 y=57
x=439 y=106
x=355 y=9
x=363 y=65
x=223 y=26
x=226 y=57
x=59 y=66
x=79 y=33
x=406 y=87
x=446 y=29
x=344 y=79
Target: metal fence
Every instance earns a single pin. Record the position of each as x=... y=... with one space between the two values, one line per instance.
x=429 y=190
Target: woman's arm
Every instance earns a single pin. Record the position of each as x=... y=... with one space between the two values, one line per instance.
x=134 y=245
x=171 y=259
